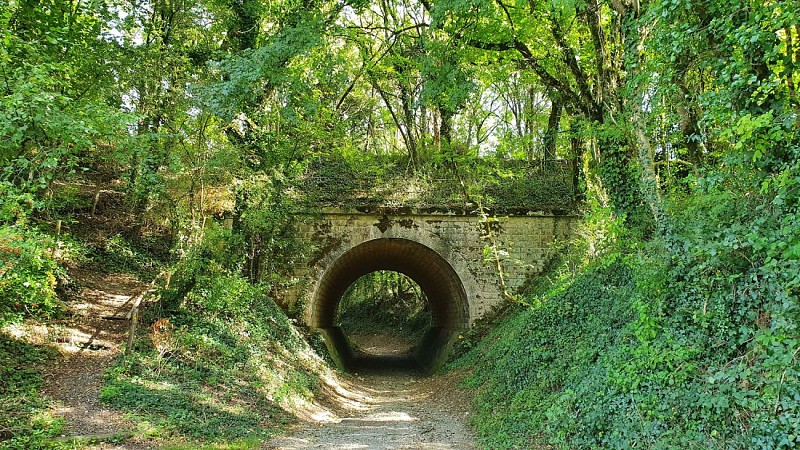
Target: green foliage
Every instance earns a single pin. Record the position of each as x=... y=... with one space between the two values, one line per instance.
x=523 y=366
x=52 y=108
x=447 y=83
x=226 y=364
x=28 y=274
x=384 y=302
x=25 y=422
x=689 y=340
x=220 y=361
x=357 y=180
x=265 y=224
x=118 y=254
x=618 y=170
x=691 y=346
x=15 y=204
x=220 y=253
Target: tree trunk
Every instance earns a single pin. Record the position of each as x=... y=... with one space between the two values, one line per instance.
x=551 y=134
x=632 y=109
x=446 y=128
x=576 y=145
x=408 y=118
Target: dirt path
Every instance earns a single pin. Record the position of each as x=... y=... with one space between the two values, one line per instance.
x=373 y=409
x=88 y=339
x=389 y=410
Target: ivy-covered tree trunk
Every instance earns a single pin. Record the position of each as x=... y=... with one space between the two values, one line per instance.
x=577 y=150
x=633 y=107
x=619 y=171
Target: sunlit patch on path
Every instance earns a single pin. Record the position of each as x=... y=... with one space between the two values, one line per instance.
x=387 y=409
x=87 y=340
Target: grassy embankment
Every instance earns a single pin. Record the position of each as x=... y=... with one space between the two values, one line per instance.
x=688 y=342
x=220 y=363
x=216 y=362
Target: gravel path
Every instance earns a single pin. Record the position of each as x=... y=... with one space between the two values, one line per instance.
x=373 y=409
x=390 y=410
x=87 y=340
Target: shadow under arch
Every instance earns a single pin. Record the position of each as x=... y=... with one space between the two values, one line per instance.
x=434 y=275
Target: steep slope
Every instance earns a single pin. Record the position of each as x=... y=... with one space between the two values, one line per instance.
x=690 y=343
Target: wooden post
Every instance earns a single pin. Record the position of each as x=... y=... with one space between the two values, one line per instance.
x=132 y=332
x=134 y=317
x=54 y=253
x=96 y=197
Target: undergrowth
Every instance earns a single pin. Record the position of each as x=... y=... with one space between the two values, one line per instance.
x=25 y=420
x=117 y=254
x=220 y=361
x=28 y=274
x=366 y=180
x=30 y=281
x=687 y=342
x=385 y=302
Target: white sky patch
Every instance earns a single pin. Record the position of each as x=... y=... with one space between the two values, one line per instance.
x=115 y=30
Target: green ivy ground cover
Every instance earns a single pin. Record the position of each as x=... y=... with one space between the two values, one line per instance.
x=687 y=344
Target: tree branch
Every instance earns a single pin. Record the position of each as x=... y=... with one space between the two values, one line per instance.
x=504 y=7
x=599 y=42
x=581 y=79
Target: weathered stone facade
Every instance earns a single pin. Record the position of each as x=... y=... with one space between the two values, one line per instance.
x=444 y=253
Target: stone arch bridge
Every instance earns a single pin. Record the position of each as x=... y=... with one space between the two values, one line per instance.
x=445 y=254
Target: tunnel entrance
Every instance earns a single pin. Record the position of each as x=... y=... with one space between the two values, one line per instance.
x=438 y=281
x=384 y=314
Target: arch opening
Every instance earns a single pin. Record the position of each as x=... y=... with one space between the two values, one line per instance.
x=436 y=278
x=384 y=313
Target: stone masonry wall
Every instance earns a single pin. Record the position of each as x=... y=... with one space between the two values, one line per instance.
x=459 y=239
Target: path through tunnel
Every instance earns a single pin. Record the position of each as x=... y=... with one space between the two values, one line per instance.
x=432 y=273
x=384 y=314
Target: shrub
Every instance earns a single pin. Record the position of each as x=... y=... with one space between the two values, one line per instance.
x=28 y=274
